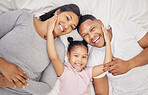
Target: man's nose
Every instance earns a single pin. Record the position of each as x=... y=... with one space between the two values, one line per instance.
x=91 y=36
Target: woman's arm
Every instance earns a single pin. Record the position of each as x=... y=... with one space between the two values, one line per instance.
x=8 y=21
x=97 y=70
x=5 y=83
x=57 y=64
x=11 y=72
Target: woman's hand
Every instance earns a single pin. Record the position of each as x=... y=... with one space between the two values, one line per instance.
x=106 y=35
x=5 y=83
x=51 y=24
x=14 y=74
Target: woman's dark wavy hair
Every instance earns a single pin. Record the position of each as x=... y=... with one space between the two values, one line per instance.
x=75 y=43
x=68 y=7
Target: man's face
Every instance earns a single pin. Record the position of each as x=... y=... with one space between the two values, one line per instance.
x=92 y=33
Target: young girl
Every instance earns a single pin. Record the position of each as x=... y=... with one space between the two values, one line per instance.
x=74 y=76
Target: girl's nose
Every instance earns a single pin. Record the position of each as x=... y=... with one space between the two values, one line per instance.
x=80 y=59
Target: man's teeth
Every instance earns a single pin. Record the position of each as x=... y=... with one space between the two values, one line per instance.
x=61 y=27
x=96 y=39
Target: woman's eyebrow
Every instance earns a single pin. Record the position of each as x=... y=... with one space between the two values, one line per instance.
x=70 y=16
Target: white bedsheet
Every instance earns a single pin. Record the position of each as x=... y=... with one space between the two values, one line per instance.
x=109 y=11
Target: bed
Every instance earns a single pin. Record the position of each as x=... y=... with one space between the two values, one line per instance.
x=109 y=11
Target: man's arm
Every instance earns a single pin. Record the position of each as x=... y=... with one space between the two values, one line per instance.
x=119 y=66
x=101 y=86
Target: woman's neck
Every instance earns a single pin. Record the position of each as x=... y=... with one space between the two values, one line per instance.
x=40 y=27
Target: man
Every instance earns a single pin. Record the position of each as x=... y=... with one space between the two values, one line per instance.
x=128 y=72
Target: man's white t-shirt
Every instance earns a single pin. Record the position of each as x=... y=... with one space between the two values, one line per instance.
x=125 y=46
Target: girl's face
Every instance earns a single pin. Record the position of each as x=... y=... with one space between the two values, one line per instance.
x=78 y=57
x=66 y=22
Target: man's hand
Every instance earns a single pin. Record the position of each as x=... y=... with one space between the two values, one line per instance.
x=5 y=83
x=117 y=66
x=14 y=74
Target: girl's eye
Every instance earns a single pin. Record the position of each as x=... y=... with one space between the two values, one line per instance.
x=84 y=57
x=76 y=55
x=67 y=18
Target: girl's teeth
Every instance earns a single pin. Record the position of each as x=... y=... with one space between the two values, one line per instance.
x=78 y=64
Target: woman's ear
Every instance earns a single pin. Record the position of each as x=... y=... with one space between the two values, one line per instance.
x=57 y=12
x=100 y=22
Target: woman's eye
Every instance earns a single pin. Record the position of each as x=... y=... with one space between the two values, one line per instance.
x=67 y=18
x=85 y=35
x=72 y=28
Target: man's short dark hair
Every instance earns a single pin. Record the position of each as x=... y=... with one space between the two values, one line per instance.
x=84 y=18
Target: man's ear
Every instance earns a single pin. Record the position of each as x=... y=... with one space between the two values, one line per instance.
x=68 y=55
x=100 y=22
x=57 y=11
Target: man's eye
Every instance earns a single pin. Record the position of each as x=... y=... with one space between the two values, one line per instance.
x=93 y=29
x=67 y=18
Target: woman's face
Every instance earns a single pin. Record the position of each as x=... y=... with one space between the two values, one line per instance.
x=66 y=22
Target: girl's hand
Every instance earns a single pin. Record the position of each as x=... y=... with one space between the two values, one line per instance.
x=51 y=24
x=5 y=83
x=14 y=74
x=106 y=35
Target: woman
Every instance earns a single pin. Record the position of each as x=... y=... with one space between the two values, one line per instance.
x=23 y=45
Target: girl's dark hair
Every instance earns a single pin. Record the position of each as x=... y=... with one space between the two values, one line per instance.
x=68 y=7
x=76 y=43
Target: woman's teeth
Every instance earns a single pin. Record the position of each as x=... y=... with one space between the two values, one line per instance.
x=61 y=28
x=96 y=39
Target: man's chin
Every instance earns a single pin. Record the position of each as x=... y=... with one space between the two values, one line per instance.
x=99 y=45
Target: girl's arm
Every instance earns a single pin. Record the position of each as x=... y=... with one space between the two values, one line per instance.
x=52 y=53
x=97 y=70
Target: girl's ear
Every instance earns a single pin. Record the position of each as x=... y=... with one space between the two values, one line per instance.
x=57 y=12
x=68 y=55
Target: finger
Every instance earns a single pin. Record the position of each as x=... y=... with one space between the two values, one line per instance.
x=114 y=74
x=22 y=73
x=18 y=83
x=106 y=69
x=21 y=79
x=115 y=58
x=23 y=76
x=109 y=64
x=20 y=69
x=112 y=71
